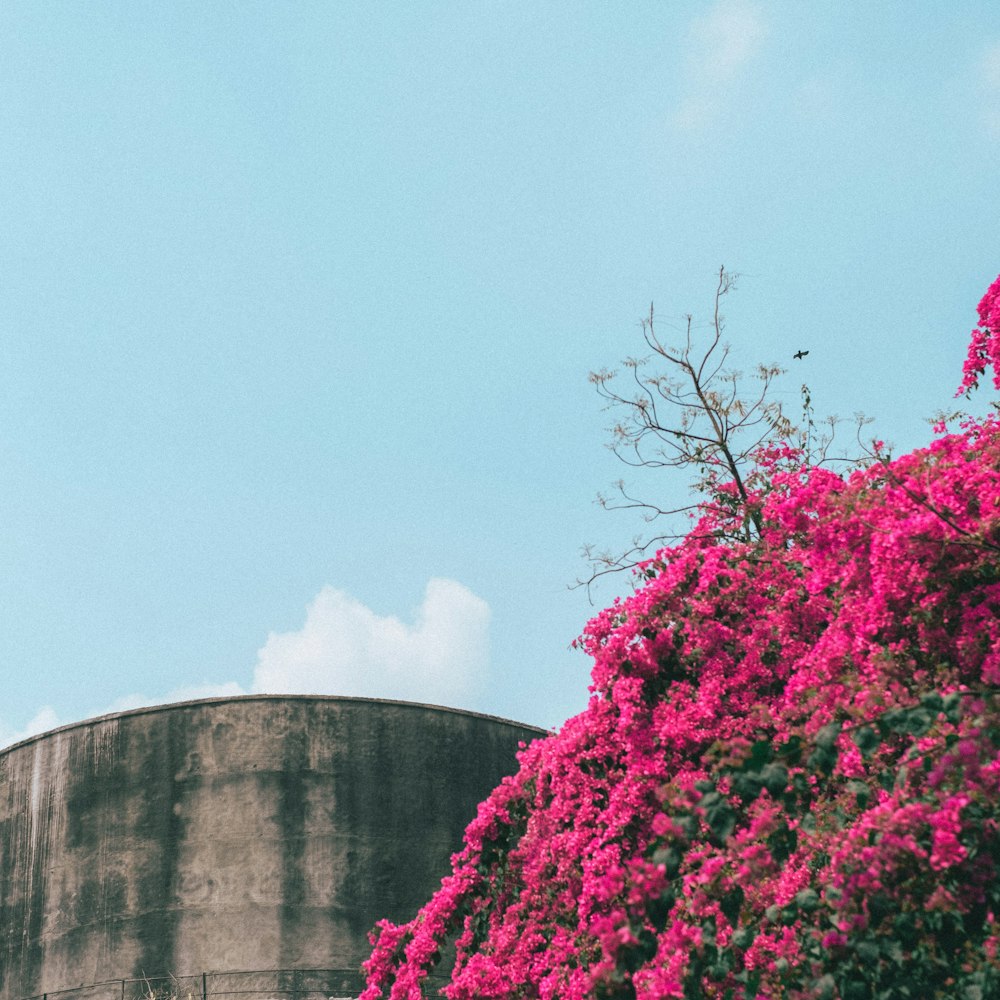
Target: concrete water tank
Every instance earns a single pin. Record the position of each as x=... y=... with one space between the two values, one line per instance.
x=231 y=834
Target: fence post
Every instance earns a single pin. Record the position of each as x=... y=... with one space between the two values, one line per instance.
x=204 y=986
x=123 y=989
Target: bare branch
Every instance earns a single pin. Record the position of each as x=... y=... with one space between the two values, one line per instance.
x=718 y=422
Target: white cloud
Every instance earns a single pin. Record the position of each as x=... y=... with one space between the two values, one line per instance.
x=722 y=43
x=44 y=719
x=191 y=692
x=346 y=648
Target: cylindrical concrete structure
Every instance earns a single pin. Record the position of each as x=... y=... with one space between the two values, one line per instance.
x=242 y=833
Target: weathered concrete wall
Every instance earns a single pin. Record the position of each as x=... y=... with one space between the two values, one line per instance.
x=244 y=833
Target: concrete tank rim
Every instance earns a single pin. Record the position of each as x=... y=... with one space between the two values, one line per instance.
x=229 y=699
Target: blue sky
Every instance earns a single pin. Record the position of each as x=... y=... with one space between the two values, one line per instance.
x=299 y=303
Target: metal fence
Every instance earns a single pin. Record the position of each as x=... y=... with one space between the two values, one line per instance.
x=270 y=984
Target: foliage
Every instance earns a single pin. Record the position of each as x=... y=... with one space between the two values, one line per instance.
x=787 y=780
x=684 y=408
x=984 y=345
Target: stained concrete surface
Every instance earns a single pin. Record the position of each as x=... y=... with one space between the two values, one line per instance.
x=244 y=833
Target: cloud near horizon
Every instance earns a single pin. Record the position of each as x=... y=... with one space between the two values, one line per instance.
x=345 y=648
x=47 y=718
x=188 y=692
x=42 y=721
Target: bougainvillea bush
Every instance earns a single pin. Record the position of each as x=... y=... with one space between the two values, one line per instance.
x=787 y=781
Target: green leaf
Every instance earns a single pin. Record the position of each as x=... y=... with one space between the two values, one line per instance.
x=775 y=778
x=731 y=904
x=867 y=741
x=658 y=909
x=746 y=786
x=952 y=707
x=933 y=702
x=792 y=750
x=894 y=950
x=807 y=900
x=891 y=721
x=907 y=721
x=782 y=843
x=868 y=952
x=905 y=930
x=720 y=969
x=827 y=736
x=761 y=753
x=719 y=815
x=825 y=988
x=823 y=759
x=919 y=721
x=670 y=858
x=862 y=793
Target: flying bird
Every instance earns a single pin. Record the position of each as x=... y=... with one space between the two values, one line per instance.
x=799 y=355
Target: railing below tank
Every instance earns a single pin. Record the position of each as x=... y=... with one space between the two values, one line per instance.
x=271 y=984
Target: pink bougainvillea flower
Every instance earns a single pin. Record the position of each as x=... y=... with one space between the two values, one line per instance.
x=787 y=780
x=984 y=347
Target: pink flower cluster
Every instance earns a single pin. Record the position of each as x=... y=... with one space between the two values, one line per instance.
x=788 y=774
x=984 y=347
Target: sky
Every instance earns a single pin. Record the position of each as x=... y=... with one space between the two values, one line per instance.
x=299 y=303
